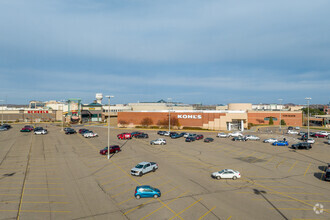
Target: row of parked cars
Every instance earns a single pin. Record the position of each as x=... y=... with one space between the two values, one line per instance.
x=189 y=137
x=37 y=130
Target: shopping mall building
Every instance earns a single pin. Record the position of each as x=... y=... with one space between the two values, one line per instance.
x=237 y=116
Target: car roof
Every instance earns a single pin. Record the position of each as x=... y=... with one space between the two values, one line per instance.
x=143 y=186
x=144 y=163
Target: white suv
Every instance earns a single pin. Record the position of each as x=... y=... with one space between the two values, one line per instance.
x=292 y=132
x=235 y=134
x=222 y=135
x=252 y=137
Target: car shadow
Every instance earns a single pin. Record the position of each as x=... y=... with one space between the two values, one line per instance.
x=319 y=176
x=322 y=168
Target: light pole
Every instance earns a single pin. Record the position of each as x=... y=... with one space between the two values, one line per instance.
x=280 y=113
x=169 y=116
x=109 y=96
x=2 y=112
x=62 y=114
x=308 y=98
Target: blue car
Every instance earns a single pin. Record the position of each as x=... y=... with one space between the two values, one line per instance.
x=280 y=143
x=146 y=191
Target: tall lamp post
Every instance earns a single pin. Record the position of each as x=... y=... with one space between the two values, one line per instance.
x=2 y=112
x=169 y=115
x=280 y=113
x=308 y=98
x=109 y=96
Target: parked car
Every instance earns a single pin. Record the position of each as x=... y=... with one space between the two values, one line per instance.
x=173 y=133
x=113 y=149
x=135 y=133
x=142 y=135
x=166 y=133
x=192 y=135
x=7 y=126
x=301 y=133
x=25 y=130
x=280 y=143
x=3 y=128
x=190 y=139
x=222 y=135
x=310 y=140
x=292 y=132
x=40 y=131
x=186 y=135
x=270 y=140
x=143 y=168
x=90 y=134
x=161 y=132
x=239 y=138
x=235 y=134
x=297 y=128
x=70 y=131
x=318 y=135
x=159 y=141
x=226 y=174
x=208 y=140
x=29 y=127
x=252 y=137
x=290 y=128
x=177 y=135
x=199 y=137
x=146 y=192
x=124 y=136
x=323 y=132
x=302 y=145
x=38 y=128
x=82 y=130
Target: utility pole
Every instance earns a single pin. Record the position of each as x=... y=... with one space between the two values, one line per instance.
x=109 y=96
x=308 y=98
x=280 y=113
x=169 y=115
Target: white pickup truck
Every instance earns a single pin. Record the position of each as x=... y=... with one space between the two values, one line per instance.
x=143 y=168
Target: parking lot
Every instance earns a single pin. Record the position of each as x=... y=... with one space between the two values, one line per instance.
x=58 y=176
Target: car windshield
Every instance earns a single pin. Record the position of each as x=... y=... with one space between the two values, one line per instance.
x=221 y=171
x=139 y=166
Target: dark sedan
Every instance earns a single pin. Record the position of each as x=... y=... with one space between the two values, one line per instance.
x=113 y=149
x=208 y=140
x=190 y=139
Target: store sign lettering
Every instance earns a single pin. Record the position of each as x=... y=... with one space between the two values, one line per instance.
x=190 y=116
x=37 y=112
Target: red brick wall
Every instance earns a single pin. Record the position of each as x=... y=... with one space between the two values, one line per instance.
x=293 y=119
x=136 y=117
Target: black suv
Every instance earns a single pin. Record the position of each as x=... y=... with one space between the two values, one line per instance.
x=142 y=135
x=303 y=145
x=70 y=131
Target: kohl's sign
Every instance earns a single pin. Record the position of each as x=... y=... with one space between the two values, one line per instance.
x=190 y=116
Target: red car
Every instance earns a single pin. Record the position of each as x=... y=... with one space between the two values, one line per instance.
x=317 y=135
x=124 y=136
x=28 y=127
x=113 y=149
x=200 y=136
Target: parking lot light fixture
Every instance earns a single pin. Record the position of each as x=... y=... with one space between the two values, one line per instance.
x=109 y=96
x=280 y=113
x=308 y=98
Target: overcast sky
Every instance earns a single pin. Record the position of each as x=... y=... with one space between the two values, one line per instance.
x=205 y=51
